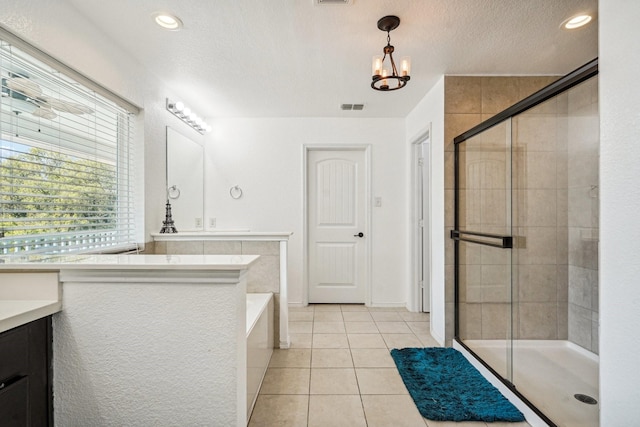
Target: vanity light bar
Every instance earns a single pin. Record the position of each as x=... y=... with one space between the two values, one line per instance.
x=185 y=114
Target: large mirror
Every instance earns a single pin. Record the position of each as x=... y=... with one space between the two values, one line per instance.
x=185 y=181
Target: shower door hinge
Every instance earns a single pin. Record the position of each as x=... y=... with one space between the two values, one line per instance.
x=421 y=284
x=421 y=223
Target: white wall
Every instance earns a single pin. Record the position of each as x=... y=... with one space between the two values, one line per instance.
x=265 y=158
x=431 y=110
x=619 y=66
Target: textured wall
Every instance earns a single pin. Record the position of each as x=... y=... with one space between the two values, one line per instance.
x=162 y=354
x=619 y=207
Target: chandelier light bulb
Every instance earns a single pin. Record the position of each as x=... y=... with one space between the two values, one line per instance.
x=384 y=71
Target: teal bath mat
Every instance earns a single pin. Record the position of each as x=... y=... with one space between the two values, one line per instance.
x=446 y=387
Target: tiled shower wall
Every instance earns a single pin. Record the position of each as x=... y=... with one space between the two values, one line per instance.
x=469 y=101
x=583 y=214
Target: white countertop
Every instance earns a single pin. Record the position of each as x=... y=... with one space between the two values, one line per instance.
x=223 y=235
x=127 y=262
x=18 y=312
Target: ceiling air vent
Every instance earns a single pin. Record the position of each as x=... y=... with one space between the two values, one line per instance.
x=323 y=2
x=349 y=107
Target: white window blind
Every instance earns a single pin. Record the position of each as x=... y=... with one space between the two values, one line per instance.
x=66 y=163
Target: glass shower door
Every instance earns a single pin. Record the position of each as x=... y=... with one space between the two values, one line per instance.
x=483 y=239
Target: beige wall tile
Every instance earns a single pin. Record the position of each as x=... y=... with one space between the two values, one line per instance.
x=498 y=93
x=496 y=319
x=462 y=95
x=537 y=283
x=456 y=124
x=538 y=321
x=260 y=248
x=212 y=247
x=185 y=248
x=470 y=321
x=264 y=275
x=540 y=245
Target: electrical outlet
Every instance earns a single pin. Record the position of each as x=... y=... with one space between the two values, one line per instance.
x=198 y=222
x=212 y=223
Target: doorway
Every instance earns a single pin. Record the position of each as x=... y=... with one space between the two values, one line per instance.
x=420 y=236
x=337 y=195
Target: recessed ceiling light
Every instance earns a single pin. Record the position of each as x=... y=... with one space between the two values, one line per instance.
x=167 y=21
x=577 y=21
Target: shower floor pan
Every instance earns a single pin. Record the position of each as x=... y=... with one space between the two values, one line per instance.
x=549 y=374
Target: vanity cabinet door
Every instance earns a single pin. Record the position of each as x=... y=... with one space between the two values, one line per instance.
x=14 y=403
x=25 y=368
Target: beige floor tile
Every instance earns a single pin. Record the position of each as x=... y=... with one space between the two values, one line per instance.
x=401 y=340
x=281 y=411
x=392 y=410
x=300 y=327
x=420 y=327
x=328 y=327
x=331 y=358
x=336 y=411
x=372 y=309
x=386 y=316
x=291 y=358
x=286 y=381
x=428 y=341
x=301 y=340
x=380 y=381
x=433 y=423
x=393 y=328
x=361 y=327
x=353 y=307
x=327 y=316
x=297 y=308
x=414 y=317
x=327 y=307
x=333 y=381
x=330 y=341
x=301 y=316
x=372 y=358
x=357 y=316
x=366 y=341
x=505 y=424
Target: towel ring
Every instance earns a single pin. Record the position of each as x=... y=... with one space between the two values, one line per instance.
x=235 y=192
x=173 y=192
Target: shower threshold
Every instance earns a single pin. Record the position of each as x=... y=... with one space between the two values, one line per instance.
x=548 y=373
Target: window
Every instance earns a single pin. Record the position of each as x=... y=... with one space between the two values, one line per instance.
x=66 y=161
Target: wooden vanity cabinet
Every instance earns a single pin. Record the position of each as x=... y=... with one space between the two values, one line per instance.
x=26 y=397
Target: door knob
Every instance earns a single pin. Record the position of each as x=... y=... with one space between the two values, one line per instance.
x=360 y=234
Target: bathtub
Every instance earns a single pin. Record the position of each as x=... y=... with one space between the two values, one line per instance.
x=259 y=343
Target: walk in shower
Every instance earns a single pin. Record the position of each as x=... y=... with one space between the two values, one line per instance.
x=526 y=247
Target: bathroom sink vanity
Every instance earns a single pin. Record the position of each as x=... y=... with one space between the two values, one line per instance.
x=137 y=339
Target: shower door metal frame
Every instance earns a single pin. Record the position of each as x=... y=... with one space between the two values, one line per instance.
x=563 y=84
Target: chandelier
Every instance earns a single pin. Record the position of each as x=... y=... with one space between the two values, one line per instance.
x=385 y=75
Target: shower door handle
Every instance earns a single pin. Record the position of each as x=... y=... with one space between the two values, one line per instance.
x=506 y=242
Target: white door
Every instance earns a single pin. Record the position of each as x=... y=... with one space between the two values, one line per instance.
x=336 y=226
x=420 y=226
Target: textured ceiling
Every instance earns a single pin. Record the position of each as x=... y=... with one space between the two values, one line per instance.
x=288 y=58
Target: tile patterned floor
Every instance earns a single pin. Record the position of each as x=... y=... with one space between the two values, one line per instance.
x=338 y=371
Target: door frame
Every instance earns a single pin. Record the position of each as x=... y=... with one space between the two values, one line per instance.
x=421 y=255
x=366 y=148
